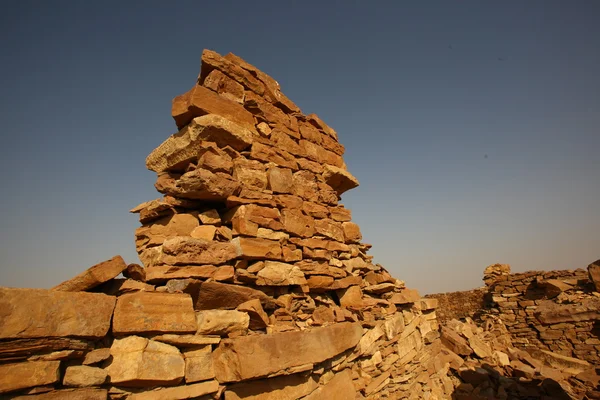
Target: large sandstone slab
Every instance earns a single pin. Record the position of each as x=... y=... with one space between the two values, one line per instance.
x=140 y=362
x=340 y=387
x=280 y=274
x=94 y=276
x=84 y=376
x=289 y=387
x=68 y=394
x=199 y=184
x=266 y=355
x=154 y=312
x=339 y=179
x=28 y=374
x=563 y=363
x=201 y=101
x=16 y=349
x=183 y=147
x=37 y=313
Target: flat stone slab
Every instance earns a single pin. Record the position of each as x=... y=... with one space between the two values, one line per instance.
x=69 y=394
x=289 y=387
x=258 y=356
x=38 y=313
x=28 y=374
x=154 y=312
x=94 y=276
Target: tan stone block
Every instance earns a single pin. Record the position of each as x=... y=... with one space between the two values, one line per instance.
x=225 y=86
x=140 y=362
x=206 y=232
x=298 y=224
x=201 y=101
x=258 y=317
x=280 y=274
x=221 y=322
x=194 y=391
x=68 y=394
x=289 y=387
x=199 y=364
x=187 y=250
x=351 y=232
x=280 y=180
x=154 y=312
x=256 y=248
x=28 y=374
x=84 y=376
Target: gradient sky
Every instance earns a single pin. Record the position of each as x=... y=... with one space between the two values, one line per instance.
x=473 y=127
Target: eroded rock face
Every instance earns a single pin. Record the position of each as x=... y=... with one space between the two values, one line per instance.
x=244 y=357
x=37 y=313
x=94 y=276
x=140 y=362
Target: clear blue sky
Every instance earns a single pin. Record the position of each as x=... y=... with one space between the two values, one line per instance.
x=419 y=92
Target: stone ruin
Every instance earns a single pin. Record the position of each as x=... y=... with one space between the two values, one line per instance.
x=255 y=283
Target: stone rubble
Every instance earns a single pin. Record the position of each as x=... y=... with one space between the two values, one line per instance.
x=255 y=283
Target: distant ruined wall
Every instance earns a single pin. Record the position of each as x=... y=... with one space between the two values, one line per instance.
x=554 y=310
x=460 y=305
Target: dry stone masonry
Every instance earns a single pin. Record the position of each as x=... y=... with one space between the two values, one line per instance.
x=256 y=284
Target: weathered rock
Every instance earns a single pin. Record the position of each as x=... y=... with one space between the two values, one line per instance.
x=194 y=391
x=244 y=357
x=84 y=376
x=187 y=340
x=551 y=313
x=340 y=387
x=96 y=356
x=554 y=287
x=351 y=232
x=93 y=276
x=351 y=297
x=28 y=374
x=455 y=342
x=406 y=296
x=258 y=317
x=594 y=274
x=280 y=274
x=199 y=184
x=135 y=272
x=201 y=101
x=206 y=232
x=182 y=148
x=256 y=248
x=154 y=312
x=298 y=224
x=280 y=180
x=189 y=251
x=290 y=387
x=36 y=313
x=163 y=273
x=339 y=179
x=141 y=362
x=225 y=86
x=221 y=322
x=563 y=363
x=68 y=394
x=213 y=295
x=199 y=364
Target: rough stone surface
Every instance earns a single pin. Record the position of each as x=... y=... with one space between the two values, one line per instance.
x=340 y=387
x=243 y=358
x=290 y=387
x=36 y=313
x=68 y=394
x=84 y=376
x=199 y=364
x=154 y=312
x=140 y=362
x=221 y=322
x=28 y=374
x=194 y=391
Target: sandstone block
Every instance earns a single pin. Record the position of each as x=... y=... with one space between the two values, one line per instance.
x=351 y=232
x=36 y=313
x=221 y=322
x=280 y=180
x=187 y=250
x=289 y=387
x=594 y=274
x=256 y=248
x=225 y=86
x=154 y=312
x=258 y=317
x=84 y=376
x=206 y=232
x=94 y=276
x=244 y=357
x=406 y=296
x=212 y=60
x=202 y=101
x=199 y=364
x=340 y=387
x=199 y=184
x=455 y=342
x=28 y=374
x=214 y=295
x=140 y=362
x=298 y=224
x=96 y=356
x=280 y=274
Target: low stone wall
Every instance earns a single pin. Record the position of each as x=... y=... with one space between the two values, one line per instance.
x=460 y=305
x=552 y=310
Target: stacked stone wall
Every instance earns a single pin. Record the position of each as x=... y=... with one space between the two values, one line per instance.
x=460 y=305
